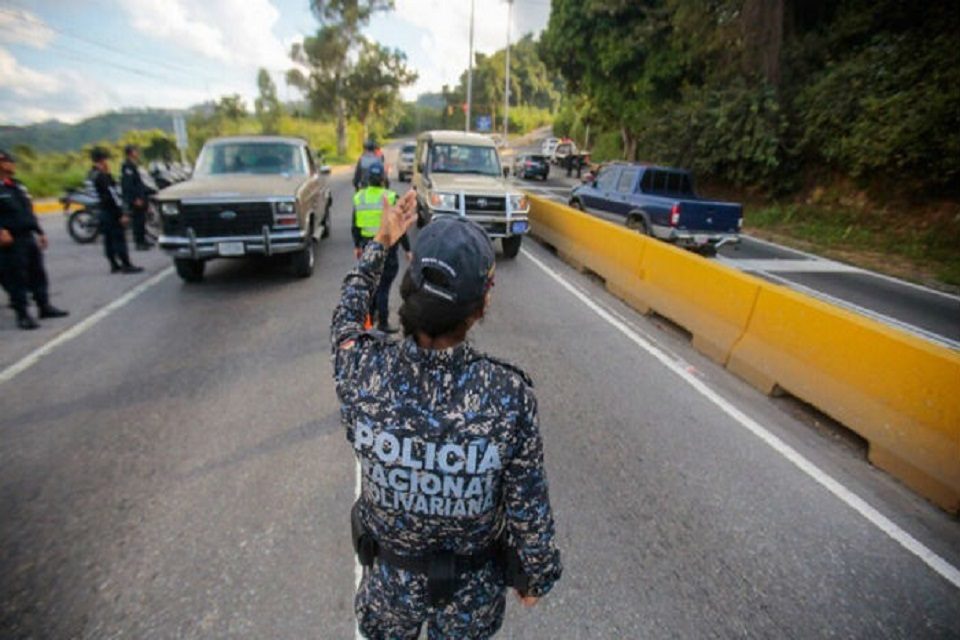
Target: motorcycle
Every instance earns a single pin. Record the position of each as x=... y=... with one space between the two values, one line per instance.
x=83 y=225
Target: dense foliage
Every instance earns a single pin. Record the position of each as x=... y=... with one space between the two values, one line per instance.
x=761 y=93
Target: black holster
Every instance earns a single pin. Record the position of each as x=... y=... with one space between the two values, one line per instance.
x=364 y=544
x=509 y=560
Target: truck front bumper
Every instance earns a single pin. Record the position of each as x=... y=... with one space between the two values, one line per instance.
x=268 y=243
x=495 y=226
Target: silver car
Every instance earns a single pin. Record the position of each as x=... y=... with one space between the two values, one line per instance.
x=405 y=163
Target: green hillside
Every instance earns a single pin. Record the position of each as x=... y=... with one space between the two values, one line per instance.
x=61 y=137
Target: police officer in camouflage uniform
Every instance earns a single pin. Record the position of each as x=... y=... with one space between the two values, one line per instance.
x=454 y=503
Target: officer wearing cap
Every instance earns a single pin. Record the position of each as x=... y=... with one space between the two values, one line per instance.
x=367 y=208
x=454 y=504
x=112 y=218
x=135 y=194
x=367 y=159
x=22 y=242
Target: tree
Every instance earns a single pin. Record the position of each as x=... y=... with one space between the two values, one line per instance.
x=327 y=56
x=230 y=107
x=267 y=105
x=373 y=86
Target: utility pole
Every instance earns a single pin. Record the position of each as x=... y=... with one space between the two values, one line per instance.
x=506 y=84
x=466 y=124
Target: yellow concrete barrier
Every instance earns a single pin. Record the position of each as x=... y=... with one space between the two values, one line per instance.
x=711 y=301
x=899 y=392
x=613 y=252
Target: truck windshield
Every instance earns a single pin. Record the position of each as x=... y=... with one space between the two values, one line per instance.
x=458 y=158
x=250 y=157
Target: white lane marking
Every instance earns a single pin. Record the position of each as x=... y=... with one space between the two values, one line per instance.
x=787 y=265
x=852 y=500
x=357 y=569
x=874 y=315
x=33 y=357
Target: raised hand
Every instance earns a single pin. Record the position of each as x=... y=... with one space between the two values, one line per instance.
x=397 y=219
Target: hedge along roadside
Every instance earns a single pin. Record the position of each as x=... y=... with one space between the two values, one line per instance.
x=897 y=391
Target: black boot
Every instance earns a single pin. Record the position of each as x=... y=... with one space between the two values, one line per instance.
x=25 y=321
x=129 y=268
x=50 y=311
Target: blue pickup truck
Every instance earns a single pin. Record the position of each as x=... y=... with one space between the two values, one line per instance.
x=660 y=202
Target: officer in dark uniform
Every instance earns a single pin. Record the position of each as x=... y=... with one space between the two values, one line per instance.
x=454 y=504
x=112 y=218
x=135 y=194
x=22 y=242
x=367 y=159
x=367 y=209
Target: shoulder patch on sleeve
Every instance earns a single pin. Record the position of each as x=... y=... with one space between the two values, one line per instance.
x=512 y=367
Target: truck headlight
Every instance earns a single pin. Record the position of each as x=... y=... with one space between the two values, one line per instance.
x=286 y=208
x=446 y=201
x=170 y=208
x=518 y=202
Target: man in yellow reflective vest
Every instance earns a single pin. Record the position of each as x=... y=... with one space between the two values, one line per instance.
x=367 y=209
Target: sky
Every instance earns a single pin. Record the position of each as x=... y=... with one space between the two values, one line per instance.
x=71 y=59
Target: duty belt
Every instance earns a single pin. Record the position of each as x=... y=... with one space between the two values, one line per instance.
x=442 y=568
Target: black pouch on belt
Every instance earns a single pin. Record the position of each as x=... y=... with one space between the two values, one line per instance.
x=441 y=577
x=364 y=544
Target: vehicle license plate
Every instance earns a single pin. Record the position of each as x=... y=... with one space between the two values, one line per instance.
x=519 y=227
x=230 y=248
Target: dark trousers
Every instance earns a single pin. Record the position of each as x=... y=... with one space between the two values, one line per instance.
x=114 y=242
x=138 y=221
x=380 y=303
x=21 y=270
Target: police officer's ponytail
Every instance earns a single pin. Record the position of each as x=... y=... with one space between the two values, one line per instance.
x=422 y=312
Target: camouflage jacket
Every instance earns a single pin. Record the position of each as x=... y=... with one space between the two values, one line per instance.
x=448 y=440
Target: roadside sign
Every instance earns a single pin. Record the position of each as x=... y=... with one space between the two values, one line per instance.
x=484 y=123
x=180 y=131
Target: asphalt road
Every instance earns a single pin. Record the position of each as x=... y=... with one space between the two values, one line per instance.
x=930 y=314
x=178 y=470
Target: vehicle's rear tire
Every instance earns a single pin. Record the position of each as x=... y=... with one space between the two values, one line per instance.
x=511 y=246
x=83 y=226
x=304 y=260
x=638 y=224
x=189 y=270
x=577 y=204
x=708 y=251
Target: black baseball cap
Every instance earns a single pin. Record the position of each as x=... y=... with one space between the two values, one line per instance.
x=6 y=157
x=453 y=259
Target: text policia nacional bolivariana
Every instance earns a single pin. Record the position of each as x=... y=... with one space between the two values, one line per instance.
x=427 y=478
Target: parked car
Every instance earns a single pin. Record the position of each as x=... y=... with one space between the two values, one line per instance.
x=531 y=165
x=548 y=146
x=460 y=174
x=660 y=202
x=248 y=195
x=405 y=163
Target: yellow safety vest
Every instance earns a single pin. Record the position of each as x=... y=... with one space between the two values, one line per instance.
x=368 y=203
